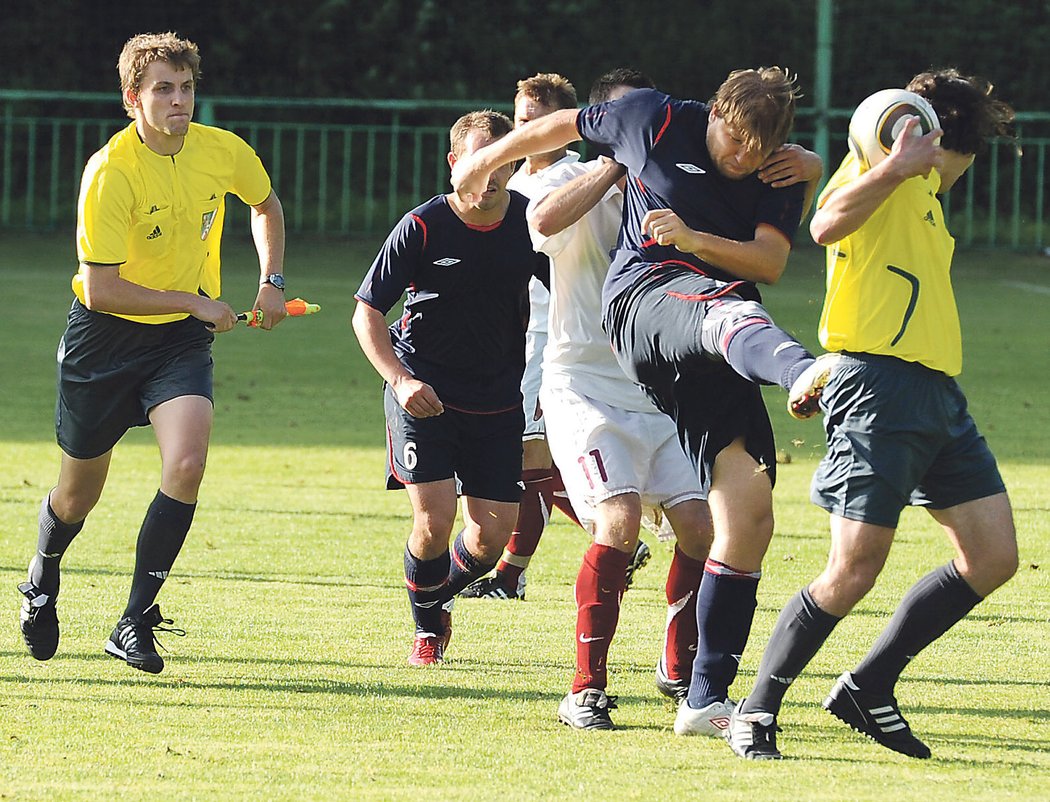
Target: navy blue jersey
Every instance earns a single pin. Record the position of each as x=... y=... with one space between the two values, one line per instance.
x=663 y=144
x=467 y=302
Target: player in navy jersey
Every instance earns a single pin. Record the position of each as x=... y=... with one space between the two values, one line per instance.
x=536 y=96
x=708 y=214
x=452 y=365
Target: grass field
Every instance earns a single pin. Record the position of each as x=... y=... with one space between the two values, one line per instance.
x=292 y=681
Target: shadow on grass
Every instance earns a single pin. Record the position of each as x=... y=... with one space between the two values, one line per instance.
x=228 y=576
x=952 y=741
x=23 y=685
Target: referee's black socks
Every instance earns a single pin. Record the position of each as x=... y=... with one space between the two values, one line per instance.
x=53 y=538
x=929 y=609
x=161 y=537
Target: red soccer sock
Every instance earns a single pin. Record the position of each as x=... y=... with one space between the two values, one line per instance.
x=599 y=586
x=561 y=499
x=683 y=582
x=533 y=514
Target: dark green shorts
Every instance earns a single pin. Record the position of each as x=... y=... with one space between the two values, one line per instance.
x=898 y=433
x=112 y=372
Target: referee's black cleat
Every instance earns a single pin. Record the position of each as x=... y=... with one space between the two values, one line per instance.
x=875 y=715
x=132 y=640
x=39 y=621
x=753 y=736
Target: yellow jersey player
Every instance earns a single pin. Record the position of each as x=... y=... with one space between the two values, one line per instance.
x=137 y=347
x=898 y=429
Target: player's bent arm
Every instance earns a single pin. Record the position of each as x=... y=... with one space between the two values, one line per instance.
x=568 y=203
x=849 y=207
x=761 y=260
x=267 y=224
x=470 y=173
x=846 y=209
x=106 y=291
x=415 y=397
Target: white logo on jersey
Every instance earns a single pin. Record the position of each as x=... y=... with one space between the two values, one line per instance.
x=448 y=261
x=690 y=168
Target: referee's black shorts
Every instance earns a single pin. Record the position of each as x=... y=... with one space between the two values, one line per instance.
x=112 y=372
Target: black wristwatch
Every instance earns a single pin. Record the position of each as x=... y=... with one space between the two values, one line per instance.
x=274 y=280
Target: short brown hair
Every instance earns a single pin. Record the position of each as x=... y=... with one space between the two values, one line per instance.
x=968 y=114
x=621 y=76
x=493 y=123
x=142 y=50
x=548 y=89
x=760 y=104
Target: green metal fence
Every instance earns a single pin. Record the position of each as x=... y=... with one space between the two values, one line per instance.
x=352 y=167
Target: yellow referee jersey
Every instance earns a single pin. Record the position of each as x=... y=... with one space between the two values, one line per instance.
x=889 y=287
x=160 y=217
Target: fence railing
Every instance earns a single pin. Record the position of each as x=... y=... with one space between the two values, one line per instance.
x=352 y=167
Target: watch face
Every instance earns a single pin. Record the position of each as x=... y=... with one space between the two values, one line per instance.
x=276 y=279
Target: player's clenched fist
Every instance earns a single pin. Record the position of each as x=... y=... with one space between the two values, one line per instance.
x=667 y=228
x=417 y=398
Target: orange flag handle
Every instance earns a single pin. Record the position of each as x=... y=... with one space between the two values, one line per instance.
x=295 y=308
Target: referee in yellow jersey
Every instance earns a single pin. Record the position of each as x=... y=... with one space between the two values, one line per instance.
x=897 y=424
x=137 y=347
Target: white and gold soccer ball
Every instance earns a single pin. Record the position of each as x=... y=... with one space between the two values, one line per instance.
x=880 y=119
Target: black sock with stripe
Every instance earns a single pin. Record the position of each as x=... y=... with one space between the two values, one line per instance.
x=799 y=633
x=53 y=538
x=930 y=608
x=161 y=537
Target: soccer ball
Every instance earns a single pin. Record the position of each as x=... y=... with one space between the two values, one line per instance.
x=880 y=119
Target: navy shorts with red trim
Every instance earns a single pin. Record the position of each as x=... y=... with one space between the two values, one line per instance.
x=482 y=451
x=656 y=329
x=112 y=372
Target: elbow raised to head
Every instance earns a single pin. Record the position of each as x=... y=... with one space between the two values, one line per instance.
x=542 y=224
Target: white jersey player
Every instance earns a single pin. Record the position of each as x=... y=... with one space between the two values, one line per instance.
x=616 y=452
x=536 y=97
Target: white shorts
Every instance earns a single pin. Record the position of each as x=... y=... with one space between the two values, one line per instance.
x=535 y=428
x=535 y=342
x=602 y=451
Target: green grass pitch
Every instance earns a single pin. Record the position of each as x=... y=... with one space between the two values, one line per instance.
x=292 y=682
